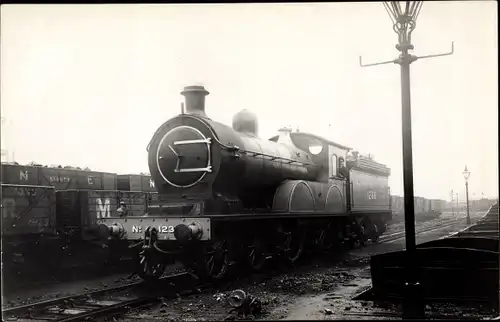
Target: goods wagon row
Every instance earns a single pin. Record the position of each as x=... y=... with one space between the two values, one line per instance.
x=67 y=179
x=38 y=210
x=422 y=205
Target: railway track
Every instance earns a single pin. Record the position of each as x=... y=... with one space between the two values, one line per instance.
x=103 y=302
x=486 y=227
x=401 y=234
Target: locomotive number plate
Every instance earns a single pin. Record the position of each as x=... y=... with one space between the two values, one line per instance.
x=161 y=229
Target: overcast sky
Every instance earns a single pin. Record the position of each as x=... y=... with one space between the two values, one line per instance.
x=88 y=85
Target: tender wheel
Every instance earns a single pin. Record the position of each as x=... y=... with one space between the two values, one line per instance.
x=149 y=266
x=257 y=256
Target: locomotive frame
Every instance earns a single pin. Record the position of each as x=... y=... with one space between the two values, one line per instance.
x=227 y=198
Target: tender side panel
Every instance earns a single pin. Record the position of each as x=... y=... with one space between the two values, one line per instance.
x=28 y=210
x=369 y=191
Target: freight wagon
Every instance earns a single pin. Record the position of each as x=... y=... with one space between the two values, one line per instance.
x=59 y=178
x=28 y=215
x=78 y=210
x=135 y=182
x=423 y=207
x=38 y=220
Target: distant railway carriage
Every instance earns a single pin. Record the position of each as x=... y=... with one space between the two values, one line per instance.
x=438 y=205
x=397 y=205
x=135 y=182
x=59 y=178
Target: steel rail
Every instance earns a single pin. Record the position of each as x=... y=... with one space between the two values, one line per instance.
x=401 y=234
x=88 y=304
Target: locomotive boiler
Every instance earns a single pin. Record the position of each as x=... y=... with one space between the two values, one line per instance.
x=227 y=197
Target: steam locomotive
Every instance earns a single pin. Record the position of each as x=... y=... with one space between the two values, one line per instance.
x=228 y=198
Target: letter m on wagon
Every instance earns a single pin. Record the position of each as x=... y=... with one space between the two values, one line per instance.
x=103 y=209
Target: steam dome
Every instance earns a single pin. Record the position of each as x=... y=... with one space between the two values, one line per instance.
x=246 y=122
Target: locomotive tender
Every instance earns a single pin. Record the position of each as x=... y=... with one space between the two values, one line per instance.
x=227 y=197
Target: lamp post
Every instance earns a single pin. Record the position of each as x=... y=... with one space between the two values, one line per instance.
x=466 y=174
x=404 y=16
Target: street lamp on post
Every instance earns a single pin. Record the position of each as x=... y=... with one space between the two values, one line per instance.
x=466 y=174
x=404 y=15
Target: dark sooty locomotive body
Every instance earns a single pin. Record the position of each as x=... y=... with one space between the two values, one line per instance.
x=228 y=197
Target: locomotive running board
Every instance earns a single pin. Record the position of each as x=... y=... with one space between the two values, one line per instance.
x=452 y=270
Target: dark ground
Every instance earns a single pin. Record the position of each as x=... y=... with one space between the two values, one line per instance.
x=319 y=289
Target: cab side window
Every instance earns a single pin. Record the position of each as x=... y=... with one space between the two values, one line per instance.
x=334 y=165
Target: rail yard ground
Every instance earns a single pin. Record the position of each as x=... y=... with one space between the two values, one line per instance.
x=320 y=289
x=81 y=276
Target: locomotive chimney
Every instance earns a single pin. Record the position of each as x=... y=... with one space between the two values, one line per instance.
x=195 y=99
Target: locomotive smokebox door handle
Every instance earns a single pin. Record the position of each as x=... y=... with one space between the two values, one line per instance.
x=206 y=141
x=178 y=157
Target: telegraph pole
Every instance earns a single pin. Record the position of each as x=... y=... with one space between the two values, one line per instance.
x=404 y=22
